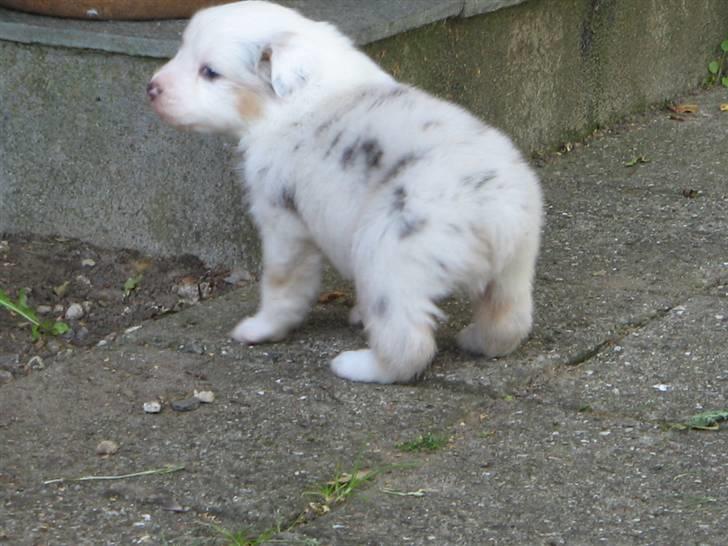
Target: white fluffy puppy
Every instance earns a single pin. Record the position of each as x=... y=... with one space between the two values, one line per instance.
x=410 y=196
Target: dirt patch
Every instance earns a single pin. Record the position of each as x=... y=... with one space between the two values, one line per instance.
x=98 y=292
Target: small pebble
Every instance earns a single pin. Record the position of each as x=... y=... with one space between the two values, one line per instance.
x=43 y=309
x=193 y=347
x=88 y=262
x=74 y=312
x=188 y=404
x=206 y=397
x=36 y=363
x=106 y=448
x=5 y=376
x=662 y=387
x=57 y=309
x=152 y=407
x=81 y=334
x=83 y=280
x=205 y=290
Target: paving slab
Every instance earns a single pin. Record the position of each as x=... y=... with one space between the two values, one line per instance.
x=270 y=436
x=529 y=473
x=570 y=440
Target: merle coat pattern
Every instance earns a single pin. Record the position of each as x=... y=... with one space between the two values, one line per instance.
x=410 y=196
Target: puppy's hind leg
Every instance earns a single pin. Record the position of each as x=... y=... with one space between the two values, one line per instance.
x=402 y=346
x=399 y=317
x=503 y=316
x=290 y=284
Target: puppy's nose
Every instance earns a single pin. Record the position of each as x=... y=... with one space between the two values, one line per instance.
x=153 y=90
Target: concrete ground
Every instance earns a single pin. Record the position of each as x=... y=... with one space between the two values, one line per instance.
x=574 y=439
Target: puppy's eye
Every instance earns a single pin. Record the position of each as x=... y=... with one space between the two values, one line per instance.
x=208 y=73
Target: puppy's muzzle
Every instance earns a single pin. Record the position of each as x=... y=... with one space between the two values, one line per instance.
x=154 y=90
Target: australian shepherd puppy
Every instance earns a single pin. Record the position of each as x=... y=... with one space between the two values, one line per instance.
x=408 y=195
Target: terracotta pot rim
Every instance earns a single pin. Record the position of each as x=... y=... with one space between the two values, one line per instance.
x=129 y=10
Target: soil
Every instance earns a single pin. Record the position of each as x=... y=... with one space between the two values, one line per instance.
x=57 y=273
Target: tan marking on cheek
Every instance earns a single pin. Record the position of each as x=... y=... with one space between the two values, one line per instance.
x=249 y=104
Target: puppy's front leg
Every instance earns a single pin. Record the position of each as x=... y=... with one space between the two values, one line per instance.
x=290 y=284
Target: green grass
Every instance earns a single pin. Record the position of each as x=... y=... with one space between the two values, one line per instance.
x=38 y=326
x=342 y=486
x=326 y=495
x=425 y=442
x=717 y=67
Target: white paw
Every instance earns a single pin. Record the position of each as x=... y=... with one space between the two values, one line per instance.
x=355 y=318
x=256 y=329
x=360 y=366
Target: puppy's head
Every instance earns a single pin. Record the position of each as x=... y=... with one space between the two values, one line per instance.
x=235 y=60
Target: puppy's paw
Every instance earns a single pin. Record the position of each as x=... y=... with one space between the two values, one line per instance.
x=255 y=330
x=360 y=366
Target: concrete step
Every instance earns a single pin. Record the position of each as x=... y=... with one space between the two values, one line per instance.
x=82 y=155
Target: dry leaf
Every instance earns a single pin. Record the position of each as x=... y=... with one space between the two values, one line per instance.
x=418 y=493
x=636 y=161
x=318 y=508
x=106 y=448
x=684 y=108
x=724 y=107
x=62 y=289
x=329 y=297
x=140 y=266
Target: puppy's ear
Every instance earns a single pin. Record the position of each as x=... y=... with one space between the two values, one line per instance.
x=285 y=65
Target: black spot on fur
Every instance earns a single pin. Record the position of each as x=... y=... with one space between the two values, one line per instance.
x=399 y=167
x=334 y=143
x=400 y=199
x=369 y=149
x=347 y=156
x=411 y=226
x=372 y=153
x=381 y=307
x=407 y=223
x=455 y=229
x=324 y=126
x=287 y=200
x=431 y=125
x=477 y=181
x=388 y=95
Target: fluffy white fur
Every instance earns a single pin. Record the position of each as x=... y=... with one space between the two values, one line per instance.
x=408 y=195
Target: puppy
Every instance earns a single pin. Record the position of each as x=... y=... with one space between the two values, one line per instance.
x=410 y=196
